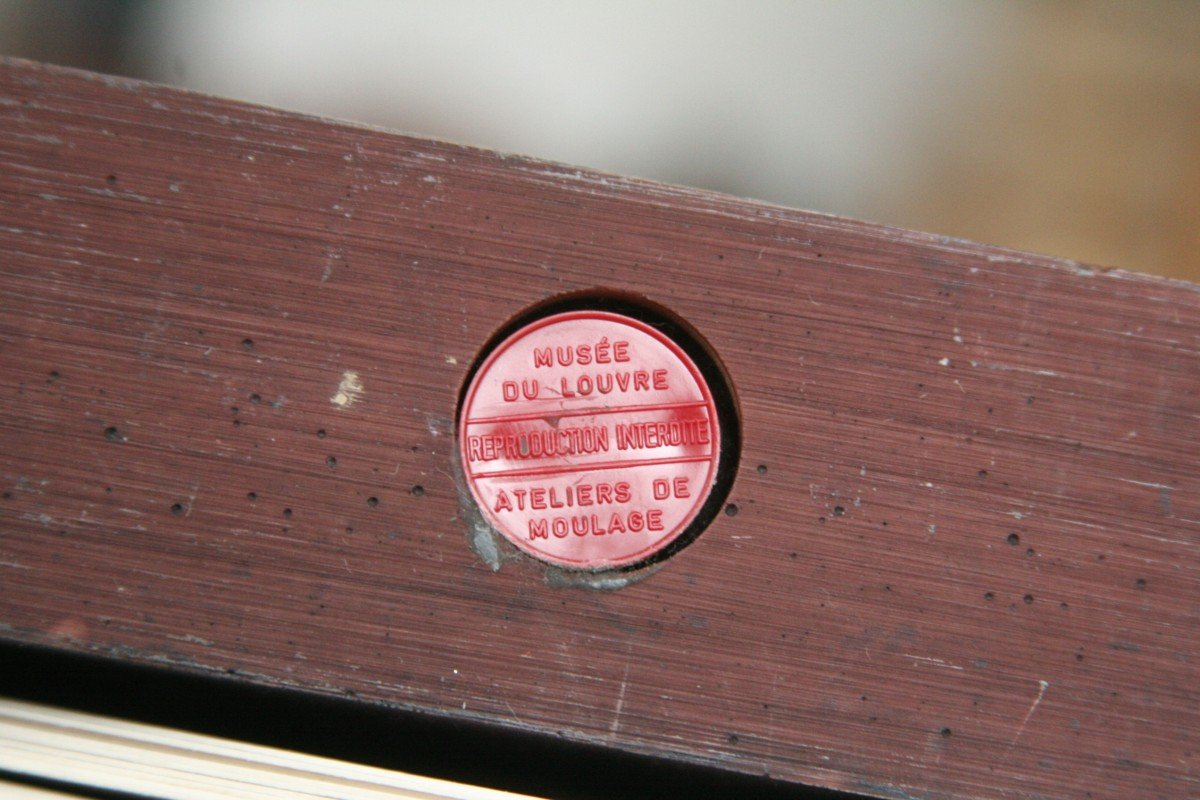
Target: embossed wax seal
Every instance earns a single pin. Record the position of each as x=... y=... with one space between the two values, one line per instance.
x=589 y=440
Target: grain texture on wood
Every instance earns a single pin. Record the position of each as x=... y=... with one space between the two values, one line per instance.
x=966 y=555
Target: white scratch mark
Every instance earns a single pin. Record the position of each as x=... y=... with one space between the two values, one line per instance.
x=945 y=362
x=937 y=662
x=348 y=391
x=332 y=255
x=616 y=723
x=621 y=693
x=451 y=360
x=190 y=638
x=1042 y=687
x=1147 y=484
x=1046 y=373
x=436 y=425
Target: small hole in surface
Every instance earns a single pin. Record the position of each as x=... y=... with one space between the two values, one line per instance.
x=418 y=491
x=946 y=732
x=321 y=433
x=982 y=473
x=248 y=344
x=1028 y=599
x=177 y=509
x=839 y=511
x=1140 y=583
x=287 y=513
x=331 y=462
x=1014 y=539
x=113 y=435
x=989 y=596
x=372 y=501
x=731 y=510
x=762 y=469
x=251 y=496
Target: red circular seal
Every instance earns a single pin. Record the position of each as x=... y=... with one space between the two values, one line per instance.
x=589 y=439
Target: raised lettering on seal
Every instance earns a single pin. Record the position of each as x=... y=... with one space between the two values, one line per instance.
x=601 y=352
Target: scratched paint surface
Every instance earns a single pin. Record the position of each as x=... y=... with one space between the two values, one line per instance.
x=966 y=555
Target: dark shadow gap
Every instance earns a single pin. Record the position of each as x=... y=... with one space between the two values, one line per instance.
x=371 y=734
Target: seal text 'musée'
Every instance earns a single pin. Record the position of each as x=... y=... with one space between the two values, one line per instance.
x=602 y=352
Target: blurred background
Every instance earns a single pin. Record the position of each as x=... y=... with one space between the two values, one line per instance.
x=1061 y=127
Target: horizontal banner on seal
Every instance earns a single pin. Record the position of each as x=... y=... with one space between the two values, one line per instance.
x=616 y=437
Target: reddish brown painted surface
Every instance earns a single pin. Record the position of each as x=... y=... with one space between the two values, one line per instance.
x=966 y=561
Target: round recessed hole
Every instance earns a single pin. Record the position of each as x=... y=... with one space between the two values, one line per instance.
x=598 y=433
